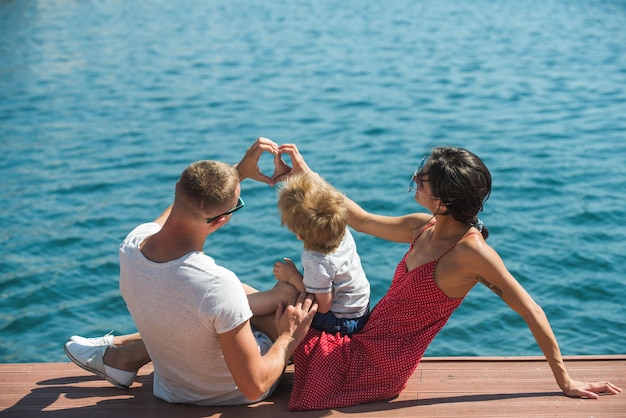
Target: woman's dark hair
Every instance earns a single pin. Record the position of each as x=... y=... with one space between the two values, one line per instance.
x=461 y=181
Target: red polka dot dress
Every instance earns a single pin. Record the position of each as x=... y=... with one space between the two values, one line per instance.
x=334 y=371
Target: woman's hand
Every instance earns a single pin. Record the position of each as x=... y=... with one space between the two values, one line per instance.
x=591 y=390
x=281 y=169
x=297 y=161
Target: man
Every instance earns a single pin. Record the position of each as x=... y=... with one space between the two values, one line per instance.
x=194 y=316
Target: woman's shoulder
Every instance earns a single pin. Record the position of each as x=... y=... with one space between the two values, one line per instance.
x=470 y=259
x=474 y=244
x=475 y=254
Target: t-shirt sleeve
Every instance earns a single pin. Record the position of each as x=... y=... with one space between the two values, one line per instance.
x=227 y=305
x=318 y=275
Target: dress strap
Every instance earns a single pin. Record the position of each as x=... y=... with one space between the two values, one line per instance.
x=455 y=244
x=430 y=224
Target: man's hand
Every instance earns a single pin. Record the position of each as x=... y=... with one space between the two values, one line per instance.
x=295 y=320
x=248 y=167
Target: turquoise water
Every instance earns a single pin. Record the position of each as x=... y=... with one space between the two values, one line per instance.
x=103 y=103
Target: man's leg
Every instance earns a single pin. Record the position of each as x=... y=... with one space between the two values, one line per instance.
x=128 y=354
x=264 y=305
x=120 y=340
x=117 y=363
x=108 y=339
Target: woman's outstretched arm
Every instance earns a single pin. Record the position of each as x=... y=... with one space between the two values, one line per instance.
x=391 y=228
x=494 y=275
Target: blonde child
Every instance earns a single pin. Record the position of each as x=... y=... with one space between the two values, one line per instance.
x=315 y=211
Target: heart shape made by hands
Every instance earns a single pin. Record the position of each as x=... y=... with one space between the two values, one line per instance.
x=280 y=168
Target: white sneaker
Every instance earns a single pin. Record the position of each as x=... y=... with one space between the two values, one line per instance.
x=106 y=340
x=90 y=358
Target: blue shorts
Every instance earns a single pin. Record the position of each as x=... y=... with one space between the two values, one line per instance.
x=264 y=342
x=328 y=322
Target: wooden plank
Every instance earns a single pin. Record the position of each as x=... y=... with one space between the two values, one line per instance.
x=463 y=386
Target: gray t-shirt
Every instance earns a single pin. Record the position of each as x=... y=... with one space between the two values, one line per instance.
x=340 y=273
x=179 y=308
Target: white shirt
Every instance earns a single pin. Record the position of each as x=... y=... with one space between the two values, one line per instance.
x=179 y=308
x=340 y=273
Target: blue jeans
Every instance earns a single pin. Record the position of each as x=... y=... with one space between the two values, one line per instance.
x=328 y=322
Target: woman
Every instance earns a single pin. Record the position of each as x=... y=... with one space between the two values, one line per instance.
x=447 y=257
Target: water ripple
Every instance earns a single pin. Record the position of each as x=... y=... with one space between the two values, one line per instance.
x=102 y=104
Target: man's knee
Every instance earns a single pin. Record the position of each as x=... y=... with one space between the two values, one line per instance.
x=288 y=294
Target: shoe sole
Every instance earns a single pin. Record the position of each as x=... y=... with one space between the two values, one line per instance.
x=94 y=371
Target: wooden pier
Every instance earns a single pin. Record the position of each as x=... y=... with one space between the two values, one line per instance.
x=440 y=387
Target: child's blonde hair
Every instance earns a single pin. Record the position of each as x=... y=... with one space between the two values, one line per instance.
x=313 y=209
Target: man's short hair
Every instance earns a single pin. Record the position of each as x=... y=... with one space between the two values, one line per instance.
x=205 y=187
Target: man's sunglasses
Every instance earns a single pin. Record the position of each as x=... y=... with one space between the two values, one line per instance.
x=240 y=204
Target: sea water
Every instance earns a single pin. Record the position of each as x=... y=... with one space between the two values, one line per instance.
x=103 y=104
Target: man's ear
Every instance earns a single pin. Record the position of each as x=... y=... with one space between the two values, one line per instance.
x=218 y=223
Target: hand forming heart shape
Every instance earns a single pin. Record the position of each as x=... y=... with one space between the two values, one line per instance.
x=281 y=168
x=248 y=167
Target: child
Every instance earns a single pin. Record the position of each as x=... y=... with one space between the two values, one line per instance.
x=315 y=211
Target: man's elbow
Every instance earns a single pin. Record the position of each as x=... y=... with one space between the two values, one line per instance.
x=253 y=391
